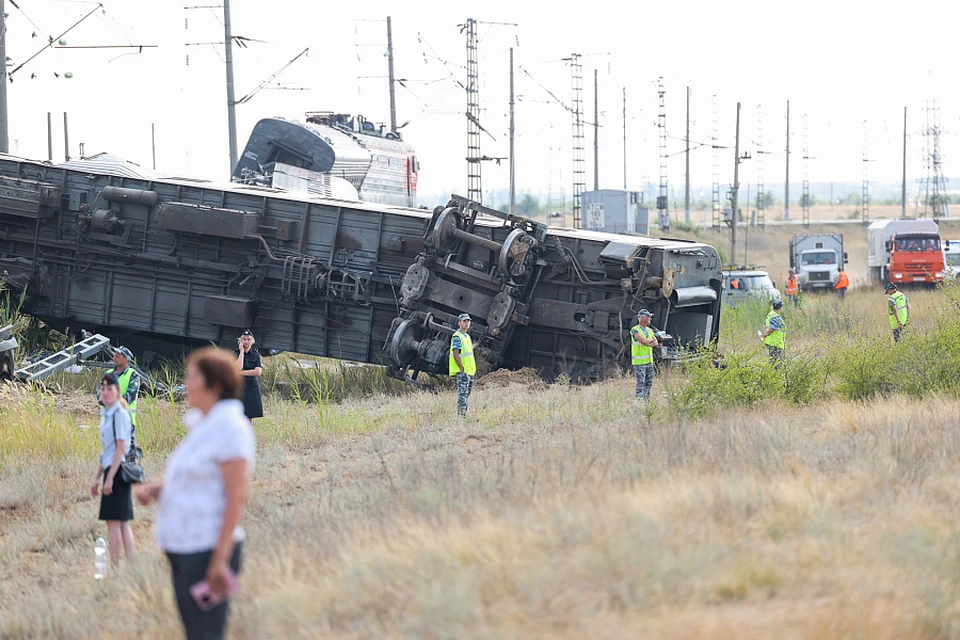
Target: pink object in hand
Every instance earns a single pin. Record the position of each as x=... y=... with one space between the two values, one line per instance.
x=206 y=598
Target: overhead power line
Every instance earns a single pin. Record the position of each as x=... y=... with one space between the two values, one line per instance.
x=49 y=44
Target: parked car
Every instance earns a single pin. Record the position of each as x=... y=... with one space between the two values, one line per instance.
x=951 y=257
x=746 y=283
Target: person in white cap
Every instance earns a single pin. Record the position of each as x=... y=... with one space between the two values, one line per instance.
x=127 y=379
x=642 y=342
x=462 y=363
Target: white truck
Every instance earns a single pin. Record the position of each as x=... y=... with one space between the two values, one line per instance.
x=817 y=259
x=905 y=251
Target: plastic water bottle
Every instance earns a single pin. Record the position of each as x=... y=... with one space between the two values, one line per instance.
x=100 y=558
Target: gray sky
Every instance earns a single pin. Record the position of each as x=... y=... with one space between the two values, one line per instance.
x=839 y=62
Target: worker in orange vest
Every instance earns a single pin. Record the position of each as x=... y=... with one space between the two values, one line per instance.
x=793 y=288
x=842 y=283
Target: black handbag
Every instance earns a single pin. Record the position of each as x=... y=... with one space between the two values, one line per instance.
x=131 y=467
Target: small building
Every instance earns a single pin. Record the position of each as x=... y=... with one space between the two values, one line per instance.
x=615 y=211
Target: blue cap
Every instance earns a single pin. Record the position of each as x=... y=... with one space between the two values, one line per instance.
x=644 y=313
x=125 y=353
x=463 y=316
x=777 y=304
x=890 y=286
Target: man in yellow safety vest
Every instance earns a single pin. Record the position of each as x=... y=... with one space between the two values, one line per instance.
x=899 y=309
x=642 y=342
x=774 y=334
x=127 y=379
x=462 y=362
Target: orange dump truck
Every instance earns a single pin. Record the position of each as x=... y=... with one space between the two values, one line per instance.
x=905 y=251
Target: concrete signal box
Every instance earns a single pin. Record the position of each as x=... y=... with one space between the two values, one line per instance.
x=615 y=211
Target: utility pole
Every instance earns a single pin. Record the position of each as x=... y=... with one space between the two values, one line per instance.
x=49 y=136
x=717 y=218
x=865 y=187
x=903 y=184
x=624 y=138
x=596 y=135
x=761 y=195
x=474 y=187
x=66 y=139
x=513 y=165
x=231 y=98
x=733 y=191
x=4 y=138
x=663 y=211
x=686 y=188
x=393 y=90
x=786 y=184
x=805 y=188
x=579 y=173
x=153 y=144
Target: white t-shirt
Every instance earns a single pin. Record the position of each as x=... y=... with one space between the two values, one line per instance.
x=194 y=497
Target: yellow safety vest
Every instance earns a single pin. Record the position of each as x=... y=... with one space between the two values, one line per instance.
x=124 y=381
x=898 y=310
x=642 y=354
x=466 y=356
x=776 y=339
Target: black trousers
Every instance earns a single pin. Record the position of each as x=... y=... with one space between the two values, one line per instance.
x=188 y=569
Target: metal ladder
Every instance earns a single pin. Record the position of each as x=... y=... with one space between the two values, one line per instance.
x=61 y=360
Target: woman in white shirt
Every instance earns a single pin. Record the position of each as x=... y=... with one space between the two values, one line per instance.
x=203 y=492
x=116 y=505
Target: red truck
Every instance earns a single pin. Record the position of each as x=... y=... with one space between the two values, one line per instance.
x=905 y=251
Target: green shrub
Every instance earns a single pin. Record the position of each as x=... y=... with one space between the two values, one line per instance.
x=742 y=380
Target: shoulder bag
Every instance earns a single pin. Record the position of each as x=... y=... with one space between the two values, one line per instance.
x=131 y=467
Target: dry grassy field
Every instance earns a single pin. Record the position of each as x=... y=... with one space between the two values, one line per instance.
x=816 y=502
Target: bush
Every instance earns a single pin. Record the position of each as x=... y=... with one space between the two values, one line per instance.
x=741 y=380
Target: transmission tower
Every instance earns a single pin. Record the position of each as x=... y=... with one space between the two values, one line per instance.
x=935 y=197
x=662 y=210
x=805 y=196
x=579 y=164
x=717 y=213
x=474 y=185
x=865 y=187
x=761 y=196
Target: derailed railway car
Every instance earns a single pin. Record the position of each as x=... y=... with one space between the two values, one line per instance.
x=559 y=300
x=170 y=263
x=167 y=264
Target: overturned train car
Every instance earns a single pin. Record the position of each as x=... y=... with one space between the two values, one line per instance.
x=559 y=300
x=170 y=263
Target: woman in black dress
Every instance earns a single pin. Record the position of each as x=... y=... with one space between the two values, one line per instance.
x=116 y=505
x=248 y=360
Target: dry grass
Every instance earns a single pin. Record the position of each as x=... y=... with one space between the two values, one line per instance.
x=552 y=512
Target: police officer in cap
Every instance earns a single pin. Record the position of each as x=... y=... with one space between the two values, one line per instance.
x=463 y=365
x=127 y=379
x=642 y=342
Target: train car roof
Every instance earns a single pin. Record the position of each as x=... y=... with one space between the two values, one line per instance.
x=647 y=241
x=108 y=164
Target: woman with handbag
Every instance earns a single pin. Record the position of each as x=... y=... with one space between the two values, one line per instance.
x=116 y=503
x=203 y=494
